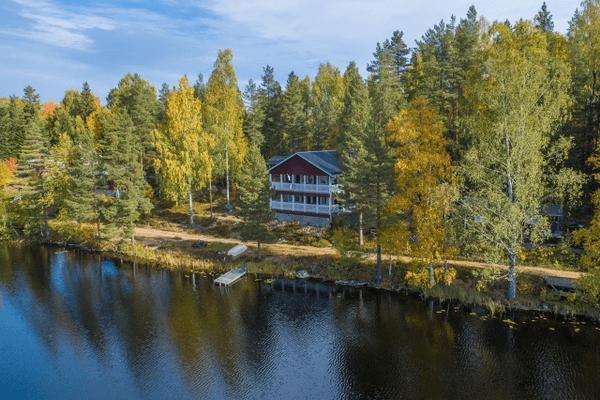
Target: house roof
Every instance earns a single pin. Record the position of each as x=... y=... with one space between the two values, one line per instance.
x=275 y=160
x=325 y=160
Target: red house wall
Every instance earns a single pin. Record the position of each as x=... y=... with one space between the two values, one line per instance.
x=297 y=166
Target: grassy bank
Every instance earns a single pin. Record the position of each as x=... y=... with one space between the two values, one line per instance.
x=478 y=287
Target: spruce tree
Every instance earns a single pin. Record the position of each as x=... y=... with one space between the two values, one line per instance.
x=294 y=117
x=122 y=168
x=543 y=20
x=270 y=103
x=15 y=128
x=354 y=123
x=32 y=104
x=84 y=178
x=135 y=95
x=254 y=199
x=254 y=116
x=30 y=181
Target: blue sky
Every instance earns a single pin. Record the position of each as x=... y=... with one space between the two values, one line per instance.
x=55 y=45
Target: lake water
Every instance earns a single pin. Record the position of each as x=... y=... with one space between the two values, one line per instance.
x=79 y=326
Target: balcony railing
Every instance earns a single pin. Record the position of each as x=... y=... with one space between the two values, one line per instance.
x=305 y=187
x=300 y=207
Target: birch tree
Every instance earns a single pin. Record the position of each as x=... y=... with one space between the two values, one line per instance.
x=183 y=146
x=520 y=99
x=223 y=111
x=424 y=179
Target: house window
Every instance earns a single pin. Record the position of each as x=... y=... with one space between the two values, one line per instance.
x=311 y=200
x=323 y=180
x=275 y=197
x=287 y=198
x=298 y=199
x=297 y=178
x=323 y=201
x=311 y=179
x=275 y=178
x=286 y=178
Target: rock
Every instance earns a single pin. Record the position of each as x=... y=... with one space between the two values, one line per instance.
x=302 y=274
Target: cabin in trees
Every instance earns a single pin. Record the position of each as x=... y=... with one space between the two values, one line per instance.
x=304 y=184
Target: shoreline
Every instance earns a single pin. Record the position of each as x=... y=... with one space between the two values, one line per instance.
x=172 y=258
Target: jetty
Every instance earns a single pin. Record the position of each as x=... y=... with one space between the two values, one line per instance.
x=558 y=283
x=229 y=278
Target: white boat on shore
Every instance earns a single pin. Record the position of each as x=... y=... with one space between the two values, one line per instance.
x=237 y=250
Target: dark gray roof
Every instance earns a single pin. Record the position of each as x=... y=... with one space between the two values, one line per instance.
x=325 y=160
x=553 y=210
x=275 y=160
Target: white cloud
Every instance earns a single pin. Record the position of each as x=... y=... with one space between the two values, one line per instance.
x=59 y=27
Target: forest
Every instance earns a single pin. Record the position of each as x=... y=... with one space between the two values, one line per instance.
x=453 y=148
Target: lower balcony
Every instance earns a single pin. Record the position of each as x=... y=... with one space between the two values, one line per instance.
x=300 y=207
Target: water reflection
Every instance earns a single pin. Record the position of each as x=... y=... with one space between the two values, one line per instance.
x=88 y=327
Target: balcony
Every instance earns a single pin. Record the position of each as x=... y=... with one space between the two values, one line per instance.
x=300 y=207
x=305 y=187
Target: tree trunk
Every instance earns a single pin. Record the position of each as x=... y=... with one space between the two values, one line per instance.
x=258 y=241
x=390 y=270
x=210 y=195
x=431 y=275
x=98 y=227
x=46 y=227
x=512 y=277
x=191 y=203
x=360 y=229
x=228 y=206
x=378 y=273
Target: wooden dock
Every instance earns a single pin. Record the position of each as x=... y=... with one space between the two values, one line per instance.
x=558 y=283
x=229 y=278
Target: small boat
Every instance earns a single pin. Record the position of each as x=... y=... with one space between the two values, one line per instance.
x=237 y=250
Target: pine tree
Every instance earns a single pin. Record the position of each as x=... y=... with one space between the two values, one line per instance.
x=386 y=77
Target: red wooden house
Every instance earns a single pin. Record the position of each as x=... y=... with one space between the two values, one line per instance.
x=305 y=184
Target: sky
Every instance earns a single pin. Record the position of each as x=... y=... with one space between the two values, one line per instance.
x=56 y=45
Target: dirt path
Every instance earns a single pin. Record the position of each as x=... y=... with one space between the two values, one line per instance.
x=274 y=247
x=158 y=234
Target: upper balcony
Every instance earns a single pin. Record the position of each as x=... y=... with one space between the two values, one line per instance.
x=305 y=187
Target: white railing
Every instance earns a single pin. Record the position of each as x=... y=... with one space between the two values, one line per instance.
x=300 y=207
x=303 y=187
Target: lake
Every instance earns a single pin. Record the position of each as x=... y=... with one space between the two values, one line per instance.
x=75 y=325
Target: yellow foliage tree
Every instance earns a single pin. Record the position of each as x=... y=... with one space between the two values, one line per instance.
x=184 y=147
x=5 y=174
x=223 y=112
x=424 y=177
